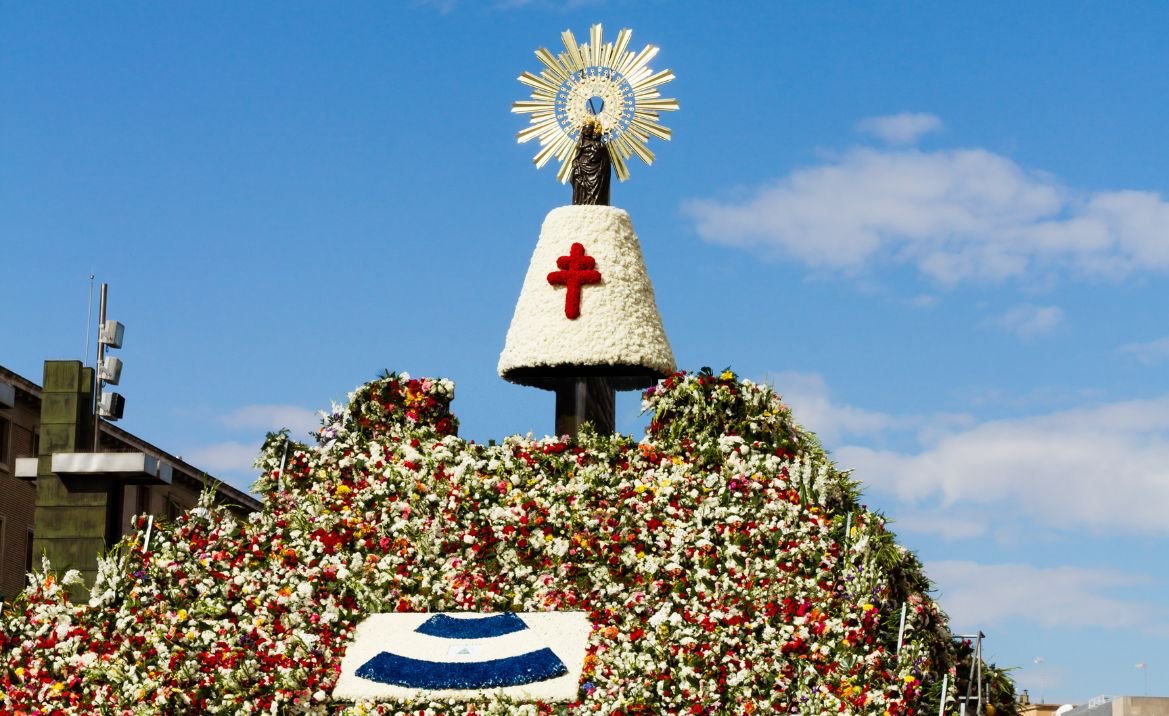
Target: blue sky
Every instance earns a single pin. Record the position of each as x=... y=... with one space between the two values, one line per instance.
x=941 y=231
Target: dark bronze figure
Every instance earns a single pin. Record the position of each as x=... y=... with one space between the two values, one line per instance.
x=591 y=169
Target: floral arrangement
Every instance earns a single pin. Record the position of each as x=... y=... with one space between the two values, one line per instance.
x=725 y=564
x=610 y=319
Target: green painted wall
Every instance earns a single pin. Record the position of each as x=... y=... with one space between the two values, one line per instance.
x=70 y=525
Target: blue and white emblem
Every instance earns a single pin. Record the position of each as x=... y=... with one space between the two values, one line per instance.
x=529 y=656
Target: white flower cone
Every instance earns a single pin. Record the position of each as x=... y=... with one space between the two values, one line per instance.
x=618 y=332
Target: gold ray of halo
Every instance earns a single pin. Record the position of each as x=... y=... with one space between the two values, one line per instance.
x=566 y=81
x=538 y=84
x=619 y=48
x=572 y=49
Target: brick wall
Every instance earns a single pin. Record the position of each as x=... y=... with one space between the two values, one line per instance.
x=17 y=497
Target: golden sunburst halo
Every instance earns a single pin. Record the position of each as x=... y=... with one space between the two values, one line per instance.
x=599 y=79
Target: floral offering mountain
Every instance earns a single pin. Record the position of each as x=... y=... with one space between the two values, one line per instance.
x=725 y=565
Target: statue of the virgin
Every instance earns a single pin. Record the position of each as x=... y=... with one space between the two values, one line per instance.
x=591 y=166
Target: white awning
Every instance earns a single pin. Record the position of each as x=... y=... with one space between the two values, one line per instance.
x=129 y=466
x=26 y=468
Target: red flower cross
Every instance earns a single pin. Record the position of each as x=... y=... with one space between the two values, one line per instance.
x=576 y=270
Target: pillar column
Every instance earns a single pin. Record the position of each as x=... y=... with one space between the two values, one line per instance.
x=71 y=523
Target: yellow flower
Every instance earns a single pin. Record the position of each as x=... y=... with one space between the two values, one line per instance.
x=727 y=375
x=58 y=687
x=342 y=490
x=182 y=615
x=868 y=607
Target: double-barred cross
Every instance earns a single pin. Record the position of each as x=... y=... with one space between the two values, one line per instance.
x=576 y=270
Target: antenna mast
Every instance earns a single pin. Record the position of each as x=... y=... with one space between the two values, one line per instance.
x=101 y=352
x=88 y=322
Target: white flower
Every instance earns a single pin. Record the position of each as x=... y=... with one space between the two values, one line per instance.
x=661 y=616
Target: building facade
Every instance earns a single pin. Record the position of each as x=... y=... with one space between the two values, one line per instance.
x=1123 y=706
x=41 y=511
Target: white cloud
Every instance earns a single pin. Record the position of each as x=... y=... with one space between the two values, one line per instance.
x=977 y=596
x=956 y=215
x=225 y=456
x=1149 y=353
x=1027 y=321
x=948 y=526
x=1103 y=468
x=808 y=396
x=298 y=420
x=1047 y=397
x=1038 y=679
x=903 y=128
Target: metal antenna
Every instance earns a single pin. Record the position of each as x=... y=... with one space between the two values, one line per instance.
x=97 y=383
x=88 y=323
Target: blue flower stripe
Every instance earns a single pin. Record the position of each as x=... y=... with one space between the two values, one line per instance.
x=387 y=668
x=448 y=627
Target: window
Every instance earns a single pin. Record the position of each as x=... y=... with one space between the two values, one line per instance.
x=21 y=441
x=5 y=429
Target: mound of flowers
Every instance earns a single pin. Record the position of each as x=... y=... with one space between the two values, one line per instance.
x=725 y=564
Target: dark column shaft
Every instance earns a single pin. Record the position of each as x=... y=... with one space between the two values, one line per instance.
x=581 y=400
